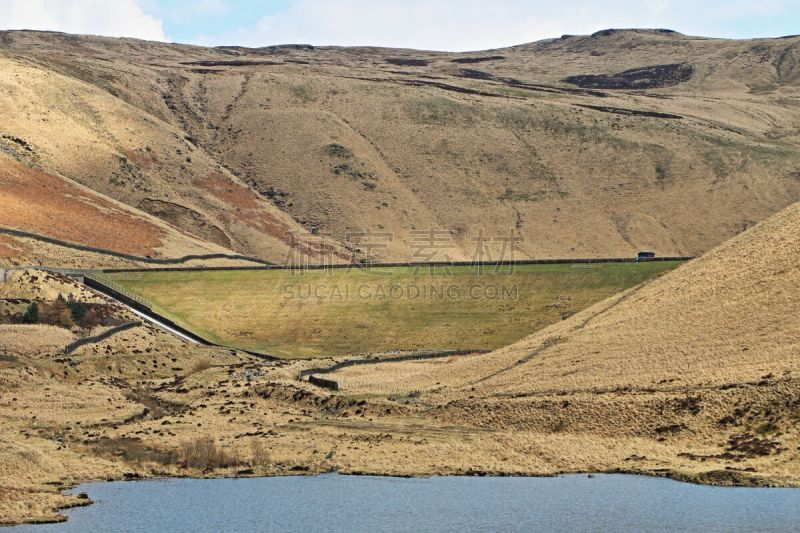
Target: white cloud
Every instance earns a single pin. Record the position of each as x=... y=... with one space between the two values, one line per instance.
x=120 y=18
x=455 y=25
x=185 y=11
x=444 y=25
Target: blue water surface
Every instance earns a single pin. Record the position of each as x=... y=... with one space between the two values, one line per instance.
x=356 y=503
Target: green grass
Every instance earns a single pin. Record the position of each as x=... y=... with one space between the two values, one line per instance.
x=302 y=93
x=441 y=110
x=344 y=311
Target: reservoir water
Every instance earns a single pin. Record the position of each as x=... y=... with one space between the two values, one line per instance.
x=355 y=503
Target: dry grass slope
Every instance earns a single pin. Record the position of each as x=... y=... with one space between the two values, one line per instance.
x=693 y=375
x=728 y=317
x=626 y=385
x=679 y=144
x=700 y=368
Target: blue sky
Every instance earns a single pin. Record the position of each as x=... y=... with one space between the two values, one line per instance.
x=441 y=25
x=188 y=21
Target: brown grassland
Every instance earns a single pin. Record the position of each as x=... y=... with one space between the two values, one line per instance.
x=262 y=151
x=305 y=153
x=693 y=375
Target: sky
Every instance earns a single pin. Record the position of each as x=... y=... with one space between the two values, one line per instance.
x=452 y=25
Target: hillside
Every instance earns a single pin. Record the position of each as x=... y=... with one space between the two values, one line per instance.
x=119 y=152
x=580 y=146
x=696 y=371
x=693 y=375
x=729 y=317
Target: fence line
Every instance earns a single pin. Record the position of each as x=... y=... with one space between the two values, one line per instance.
x=411 y=264
x=417 y=356
x=325 y=383
x=71 y=347
x=130 y=257
x=98 y=277
x=267 y=265
x=328 y=383
x=138 y=303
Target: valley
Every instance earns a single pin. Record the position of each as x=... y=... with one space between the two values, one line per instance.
x=191 y=176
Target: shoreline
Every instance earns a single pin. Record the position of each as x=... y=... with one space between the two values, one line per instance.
x=763 y=483
x=143 y=405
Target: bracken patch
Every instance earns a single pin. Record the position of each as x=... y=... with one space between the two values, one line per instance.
x=35 y=201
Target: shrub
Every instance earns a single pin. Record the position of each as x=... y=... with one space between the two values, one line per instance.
x=154 y=409
x=131 y=450
x=203 y=453
x=259 y=454
x=199 y=366
x=31 y=315
x=77 y=309
x=661 y=172
x=766 y=428
x=337 y=150
x=56 y=313
x=91 y=318
x=352 y=173
x=341 y=168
